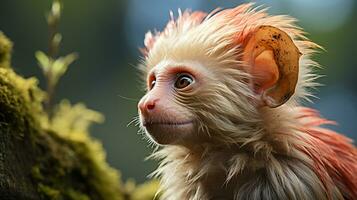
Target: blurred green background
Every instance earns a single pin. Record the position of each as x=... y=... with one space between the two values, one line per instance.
x=107 y=34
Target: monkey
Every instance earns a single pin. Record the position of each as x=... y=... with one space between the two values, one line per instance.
x=223 y=107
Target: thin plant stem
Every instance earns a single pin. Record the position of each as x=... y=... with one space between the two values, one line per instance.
x=53 y=49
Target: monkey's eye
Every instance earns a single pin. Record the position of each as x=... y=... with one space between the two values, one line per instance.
x=152 y=84
x=183 y=80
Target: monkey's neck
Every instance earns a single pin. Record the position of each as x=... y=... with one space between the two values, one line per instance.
x=273 y=132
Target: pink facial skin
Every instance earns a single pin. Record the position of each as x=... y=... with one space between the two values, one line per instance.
x=165 y=118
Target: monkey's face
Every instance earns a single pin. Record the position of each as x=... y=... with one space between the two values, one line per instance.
x=189 y=103
x=164 y=110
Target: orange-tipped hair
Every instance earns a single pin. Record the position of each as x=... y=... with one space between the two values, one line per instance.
x=275 y=153
x=218 y=38
x=335 y=158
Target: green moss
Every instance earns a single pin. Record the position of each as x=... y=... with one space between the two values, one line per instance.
x=68 y=164
x=48 y=192
x=5 y=50
x=73 y=162
x=146 y=190
x=21 y=102
x=72 y=194
x=36 y=173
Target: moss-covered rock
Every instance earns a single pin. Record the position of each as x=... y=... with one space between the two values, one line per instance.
x=72 y=164
x=20 y=124
x=5 y=50
x=52 y=159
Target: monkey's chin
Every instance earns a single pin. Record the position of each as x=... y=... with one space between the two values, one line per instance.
x=169 y=133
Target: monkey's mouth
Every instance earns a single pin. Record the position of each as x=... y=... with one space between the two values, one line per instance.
x=168 y=132
x=172 y=124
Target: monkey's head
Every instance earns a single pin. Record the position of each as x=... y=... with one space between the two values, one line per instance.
x=208 y=76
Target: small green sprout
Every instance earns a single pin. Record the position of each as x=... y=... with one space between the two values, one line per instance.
x=52 y=67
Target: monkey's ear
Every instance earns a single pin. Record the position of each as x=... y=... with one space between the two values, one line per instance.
x=273 y=62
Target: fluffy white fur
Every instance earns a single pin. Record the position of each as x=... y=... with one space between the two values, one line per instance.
x=256 y=153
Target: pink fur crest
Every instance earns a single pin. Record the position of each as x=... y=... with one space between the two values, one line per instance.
x=335 y=158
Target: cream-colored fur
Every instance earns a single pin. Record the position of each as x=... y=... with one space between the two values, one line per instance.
x=266 y=165
x=252 y=153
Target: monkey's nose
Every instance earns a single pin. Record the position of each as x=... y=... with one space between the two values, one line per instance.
x=148 y=105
